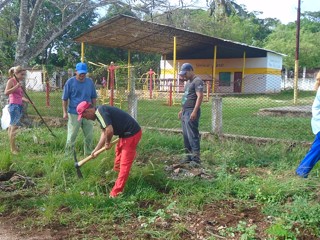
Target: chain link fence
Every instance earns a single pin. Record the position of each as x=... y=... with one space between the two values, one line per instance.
x=259 y=105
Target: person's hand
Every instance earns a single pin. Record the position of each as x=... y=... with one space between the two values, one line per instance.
x=17 y=85
x=108 y=146
x=180 y=114
x=193 y=116
x=65 y=115
x=93 y=154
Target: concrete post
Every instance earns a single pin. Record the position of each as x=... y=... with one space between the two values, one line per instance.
x=217 y=115
x=132 y=97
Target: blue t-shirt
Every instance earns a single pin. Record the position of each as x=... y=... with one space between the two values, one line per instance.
x=76 y=92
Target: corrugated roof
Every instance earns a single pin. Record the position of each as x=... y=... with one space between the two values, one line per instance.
x=126 y=32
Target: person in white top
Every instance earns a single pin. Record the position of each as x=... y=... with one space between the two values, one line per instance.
x=313 y=156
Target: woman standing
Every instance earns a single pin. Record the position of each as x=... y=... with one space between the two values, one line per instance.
x=15 y=93
x=313 y=155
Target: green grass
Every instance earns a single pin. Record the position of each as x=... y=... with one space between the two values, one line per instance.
x=242 y=173
x=239 y=114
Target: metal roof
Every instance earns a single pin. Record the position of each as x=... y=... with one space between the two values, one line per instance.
x=130 y=33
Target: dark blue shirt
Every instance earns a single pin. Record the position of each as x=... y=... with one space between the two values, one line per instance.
x=76 y=92
x=123 y=124
x=190 y=97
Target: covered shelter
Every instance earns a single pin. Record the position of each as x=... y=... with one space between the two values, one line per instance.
x=227 y=66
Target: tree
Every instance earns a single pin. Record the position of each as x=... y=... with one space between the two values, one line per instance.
x=221 y=8
x=282 y=40
x=34 y=12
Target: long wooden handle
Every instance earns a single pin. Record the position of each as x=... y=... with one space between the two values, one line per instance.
x=83 y=161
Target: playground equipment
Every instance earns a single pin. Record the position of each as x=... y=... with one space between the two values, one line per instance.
x=109 y=90
x=149 y=84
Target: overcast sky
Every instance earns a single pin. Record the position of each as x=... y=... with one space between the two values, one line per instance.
x=284 y=10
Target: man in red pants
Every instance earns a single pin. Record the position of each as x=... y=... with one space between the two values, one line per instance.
x=114 y=121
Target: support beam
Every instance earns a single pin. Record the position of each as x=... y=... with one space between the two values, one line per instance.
x=243 y=70
x=82 y=51
x=129 y=71
x=214 y=67
x=174 y=65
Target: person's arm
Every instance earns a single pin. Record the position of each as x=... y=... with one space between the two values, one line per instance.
x=64 y=108
x=10 y=88
x=94 y=102
x=105 y=139
x=26 y=100
x=194 y=113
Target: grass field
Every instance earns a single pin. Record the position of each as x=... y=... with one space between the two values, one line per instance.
x=252 y=193
x=239 y=114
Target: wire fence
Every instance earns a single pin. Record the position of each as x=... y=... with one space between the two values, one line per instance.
x=259 y=105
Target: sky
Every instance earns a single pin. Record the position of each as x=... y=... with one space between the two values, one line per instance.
x=284 y=10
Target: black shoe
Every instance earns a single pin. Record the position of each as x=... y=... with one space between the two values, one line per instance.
x=195 y=164
x=185 y=161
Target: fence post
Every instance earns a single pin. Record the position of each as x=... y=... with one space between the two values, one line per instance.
x=132 y=97
x=217 y=115
x=170 y=94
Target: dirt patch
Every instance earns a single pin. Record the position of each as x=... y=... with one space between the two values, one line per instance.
x=227 y=219
x=50 y=121
x=9 y=231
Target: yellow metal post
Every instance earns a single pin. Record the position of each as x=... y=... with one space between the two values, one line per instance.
x=174 y=66
x=214 y=67
x=243 y=68
x=82 y=52
x=129 y=63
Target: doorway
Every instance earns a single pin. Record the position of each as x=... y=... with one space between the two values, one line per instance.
x=237 y=82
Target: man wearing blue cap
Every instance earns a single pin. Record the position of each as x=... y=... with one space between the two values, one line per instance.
x=77 y=89
x=190 y=114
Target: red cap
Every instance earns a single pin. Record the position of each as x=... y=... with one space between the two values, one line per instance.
x=81 y=108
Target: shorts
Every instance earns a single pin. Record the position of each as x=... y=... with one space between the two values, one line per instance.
x=15 y=111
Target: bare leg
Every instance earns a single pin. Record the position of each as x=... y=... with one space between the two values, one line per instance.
x=12 y=138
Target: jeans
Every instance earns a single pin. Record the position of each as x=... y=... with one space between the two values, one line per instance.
x=15 y=111
x=73 y=129
x=310 y=159
x=191 y=136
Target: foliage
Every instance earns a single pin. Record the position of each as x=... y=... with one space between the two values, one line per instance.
x=283 y=39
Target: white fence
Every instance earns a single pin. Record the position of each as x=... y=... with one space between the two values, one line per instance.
x=305 y=84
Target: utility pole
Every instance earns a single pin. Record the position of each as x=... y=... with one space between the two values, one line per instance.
x=296 y=63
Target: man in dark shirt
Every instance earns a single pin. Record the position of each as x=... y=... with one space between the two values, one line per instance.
x=190 y=113
x=114 y=121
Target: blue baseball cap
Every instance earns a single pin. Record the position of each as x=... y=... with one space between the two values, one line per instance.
x=184 y=68
x=81 y=68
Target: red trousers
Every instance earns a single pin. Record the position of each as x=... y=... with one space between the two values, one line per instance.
x=125 y=154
